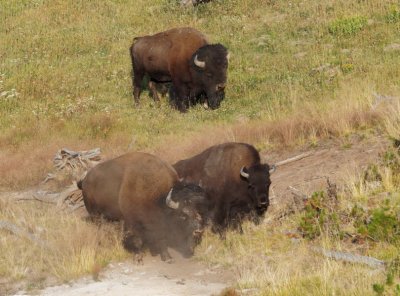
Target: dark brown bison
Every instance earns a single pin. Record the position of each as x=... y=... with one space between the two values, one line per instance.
x=235 y=181
x=143 y=190
x=184 y=57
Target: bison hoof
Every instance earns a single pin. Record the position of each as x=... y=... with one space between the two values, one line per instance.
x=137 y=105
x=139 y=259
x=165 y=256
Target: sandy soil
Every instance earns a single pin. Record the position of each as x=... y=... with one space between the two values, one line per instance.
x=154 y=277
x=335 y=160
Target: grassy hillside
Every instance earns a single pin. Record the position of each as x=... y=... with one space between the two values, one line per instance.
x=65 y=74
x=300 y=71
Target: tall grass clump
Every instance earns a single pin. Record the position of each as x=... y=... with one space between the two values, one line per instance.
x=71 y=246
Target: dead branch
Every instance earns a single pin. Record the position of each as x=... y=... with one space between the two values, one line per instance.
x=295 y=158
x=348 y=257
x=299 y=192
x=72 y=196
x=381 y=98
x=21 y=232
x=75 y=161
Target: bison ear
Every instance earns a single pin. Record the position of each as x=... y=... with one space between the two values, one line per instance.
x=198 y=63
x=170 y=203
x=244 y=172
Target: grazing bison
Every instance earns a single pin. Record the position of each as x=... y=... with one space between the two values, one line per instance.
x=235 y=181
x=184 y=57
x=143 y=190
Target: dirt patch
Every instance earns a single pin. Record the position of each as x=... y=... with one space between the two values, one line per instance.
x=334 y=160
x=184 y=277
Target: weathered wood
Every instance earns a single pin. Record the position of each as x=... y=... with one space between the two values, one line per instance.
x=22 y=232
x=292 y=159
x=74 y=159
x=348 y=257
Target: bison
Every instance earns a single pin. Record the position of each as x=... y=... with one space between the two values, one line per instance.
x=184 y=57
x=235 y=181
x=144 y=191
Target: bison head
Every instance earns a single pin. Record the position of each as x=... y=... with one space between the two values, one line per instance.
x=209 y=65
x=185 y=208
x=258 y=179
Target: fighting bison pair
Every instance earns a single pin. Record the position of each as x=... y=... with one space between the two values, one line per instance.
x=225 y=183
x=184 y=57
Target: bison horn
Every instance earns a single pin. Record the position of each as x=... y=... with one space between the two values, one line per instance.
x=228 y=55
x=272 y=169
x=170 y=202
x=198 y=63
x=243 y=173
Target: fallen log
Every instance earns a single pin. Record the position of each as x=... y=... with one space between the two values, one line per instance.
x=292 y=159
x=348 y=257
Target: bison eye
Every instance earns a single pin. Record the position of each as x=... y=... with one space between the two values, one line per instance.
x=209 y=75
x=183 y=217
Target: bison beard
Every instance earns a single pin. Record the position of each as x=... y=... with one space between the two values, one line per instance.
x=136 y=187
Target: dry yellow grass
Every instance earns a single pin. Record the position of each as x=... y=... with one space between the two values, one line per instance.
x=73 y=245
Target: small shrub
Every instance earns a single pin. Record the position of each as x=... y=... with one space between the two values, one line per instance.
x=381 y=224
x=347 y=25
x=347 y=68
x=379 y=289
x=319 y=218
x=390 y=286
x=391 y=160
x=393 y=15
x=384 y=224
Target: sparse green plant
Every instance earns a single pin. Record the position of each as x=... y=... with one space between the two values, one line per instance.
x=385 y=223
x=349 y=25
x=347 y=68
x=391 y=285
x=319 y=218
x=391 y=159
x=378 y=289
x=394 y=14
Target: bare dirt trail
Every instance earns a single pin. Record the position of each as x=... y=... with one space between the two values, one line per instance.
x=334 y=160
x=183 y=277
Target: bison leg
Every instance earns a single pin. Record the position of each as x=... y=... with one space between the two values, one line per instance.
x=179 y=95
x=156 y=238
x=133 y=242
x=153 y=90
x=137 y=83
x=159 y=244
x=220 y=220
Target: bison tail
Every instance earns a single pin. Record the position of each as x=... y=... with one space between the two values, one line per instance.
x=79 y=184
